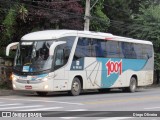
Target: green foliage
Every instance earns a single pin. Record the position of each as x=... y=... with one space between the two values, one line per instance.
x=120 y=14
x=100 y=21
x=7 y=30
x=118 y=9
x=98 y=18
x=157 y=61
x=9 y=22
x=147 y=26
x=23 y=12
x=5 y=85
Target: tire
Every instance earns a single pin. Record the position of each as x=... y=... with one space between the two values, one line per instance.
x=76 y=87
x=42 y=93
x=133 y=85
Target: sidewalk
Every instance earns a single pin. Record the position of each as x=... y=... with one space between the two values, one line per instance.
x=4 y=92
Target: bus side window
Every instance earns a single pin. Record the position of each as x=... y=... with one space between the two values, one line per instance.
x=67 y=47
x=121 y=55
x=138 y=50
x=146 y=51
x=99 y=48
x=83 y=48
x=59 y=57
x=67 y=52
x=149 y=51
x=128 y=50
x=112 y=48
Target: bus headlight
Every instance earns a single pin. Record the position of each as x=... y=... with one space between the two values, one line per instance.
x=14 y=86
x=45 y=79
x=14 y=78
x=46 y=87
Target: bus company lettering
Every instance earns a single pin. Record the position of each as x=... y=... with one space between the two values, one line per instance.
x=114 y=67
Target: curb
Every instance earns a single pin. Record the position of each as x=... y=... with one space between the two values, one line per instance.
x=4 y=92
x=152 y=86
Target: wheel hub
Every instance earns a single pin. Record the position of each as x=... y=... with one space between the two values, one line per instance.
x=75 y=86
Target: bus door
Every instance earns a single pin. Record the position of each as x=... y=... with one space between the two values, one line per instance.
x=59 y=61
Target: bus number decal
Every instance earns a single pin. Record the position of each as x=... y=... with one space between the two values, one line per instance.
x=114 y=67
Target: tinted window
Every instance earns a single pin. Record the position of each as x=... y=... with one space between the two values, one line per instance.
x=63 y=51
x=68 y=46
x=128 y=50
x=89 y=47
x=146 y=51
x=138 y=50
x=59 y=59
x=83 y=48
x=113 y=49
x=98 y=48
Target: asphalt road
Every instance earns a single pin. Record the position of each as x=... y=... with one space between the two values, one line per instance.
x=91 y=105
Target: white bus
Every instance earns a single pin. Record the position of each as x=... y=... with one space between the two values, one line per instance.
x=70 y=60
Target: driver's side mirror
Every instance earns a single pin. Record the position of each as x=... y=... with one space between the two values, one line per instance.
x=11 y=46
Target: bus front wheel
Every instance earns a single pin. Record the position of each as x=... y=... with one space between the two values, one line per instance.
x=76 y=87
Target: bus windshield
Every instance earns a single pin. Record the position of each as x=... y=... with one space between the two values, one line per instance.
x=33 y=56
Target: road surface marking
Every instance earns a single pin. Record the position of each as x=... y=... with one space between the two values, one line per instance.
x=122 y=100
x=41 y=109
x=20 y=107
x=10 y=104
x=116 y=118
x=78 y=110
x=152 y=108
x=69 y=117
x=46 y=101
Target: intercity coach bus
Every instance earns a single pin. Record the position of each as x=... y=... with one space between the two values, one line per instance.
x=70 y=60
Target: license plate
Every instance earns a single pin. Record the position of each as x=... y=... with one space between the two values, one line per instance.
x=28 y=87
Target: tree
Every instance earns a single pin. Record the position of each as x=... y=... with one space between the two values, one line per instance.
x=122 y=12
x=119 y=13
x=147 y=26
x=23 y=16
x=99 y=20
x=56 y=14
x=7 y=26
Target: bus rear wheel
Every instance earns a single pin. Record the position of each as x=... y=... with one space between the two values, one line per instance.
x=76 y=87
x=133 y=85
x=42 y=93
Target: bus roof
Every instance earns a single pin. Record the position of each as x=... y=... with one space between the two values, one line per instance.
x=55 y=34
x=126 y=39
x=48 y=34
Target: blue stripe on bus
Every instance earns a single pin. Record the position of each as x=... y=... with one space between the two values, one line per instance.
x=110 y=75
